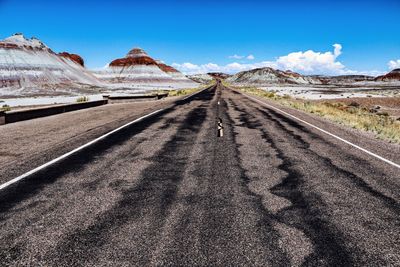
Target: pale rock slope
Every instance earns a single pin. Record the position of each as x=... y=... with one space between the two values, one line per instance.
x=393 y=76
x=343 y=79
x=270 y=76
x=174 y=73
x=29 y=67
x=203 y=78
x=137 y=69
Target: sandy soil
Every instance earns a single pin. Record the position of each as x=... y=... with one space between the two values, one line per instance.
x=391 y=105
x=315 y=93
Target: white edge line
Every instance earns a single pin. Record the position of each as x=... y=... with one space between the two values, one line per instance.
x=41 y=167
x=326 y=132
x=37 y=169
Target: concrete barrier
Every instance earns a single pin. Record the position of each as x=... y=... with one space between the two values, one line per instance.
x=15 y=116
x=2 y=117
x=132 y=98
x=160 y=96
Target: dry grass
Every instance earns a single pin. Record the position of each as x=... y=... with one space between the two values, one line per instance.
x=82 y=99
x=5 y=108
x=183 y=92
x=171 y=93
x=349 y=113
x=392 y=102
x=259 y=92
x=391 y=105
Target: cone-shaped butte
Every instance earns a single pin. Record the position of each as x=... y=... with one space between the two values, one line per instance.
x=136 y=56
x=138 y=70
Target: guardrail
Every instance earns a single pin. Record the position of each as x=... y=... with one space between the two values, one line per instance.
x=22 y=115
x=2 y=117
x=129 y=98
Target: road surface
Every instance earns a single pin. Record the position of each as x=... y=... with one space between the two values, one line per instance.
x=168 y=191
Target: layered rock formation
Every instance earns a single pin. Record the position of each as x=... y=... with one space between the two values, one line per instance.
x=74 y=57
x=166 y=68
x=343 y=79
x=137 y=67
x=206 y=78
x=29 y=64
x=175 y=74
x=203 y=78
x=219 y=75
x=135 y=57
x=393 y=76
x=270 y=76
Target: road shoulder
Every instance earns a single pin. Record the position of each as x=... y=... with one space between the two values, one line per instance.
x=360 y=138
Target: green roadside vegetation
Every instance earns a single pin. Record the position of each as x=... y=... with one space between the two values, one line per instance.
x=5 y=108
x=82 y=99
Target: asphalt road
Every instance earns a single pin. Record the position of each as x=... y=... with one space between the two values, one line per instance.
x=167 y=191
x=27 y=144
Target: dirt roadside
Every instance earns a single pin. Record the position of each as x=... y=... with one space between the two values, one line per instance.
x=391 y=105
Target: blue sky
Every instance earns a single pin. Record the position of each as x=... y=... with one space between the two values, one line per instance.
x=203 y=32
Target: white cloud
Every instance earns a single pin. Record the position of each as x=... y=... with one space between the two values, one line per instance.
x=394 y=64
x=308 y=62
x=338 y=50
x=189 y=66
x=250 y=57
x=236 y=57
x=229 y=68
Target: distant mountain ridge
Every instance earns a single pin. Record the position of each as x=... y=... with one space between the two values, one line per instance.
x=267 y=76
x=203 y=78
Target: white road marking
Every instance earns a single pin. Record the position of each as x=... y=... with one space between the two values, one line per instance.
x=37 y=169
x=326 y=132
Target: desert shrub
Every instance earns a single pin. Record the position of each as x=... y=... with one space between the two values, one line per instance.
x=181 y=92
x=354 y=104
x=385 y=114
x=5 y=108
x=82 y=99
